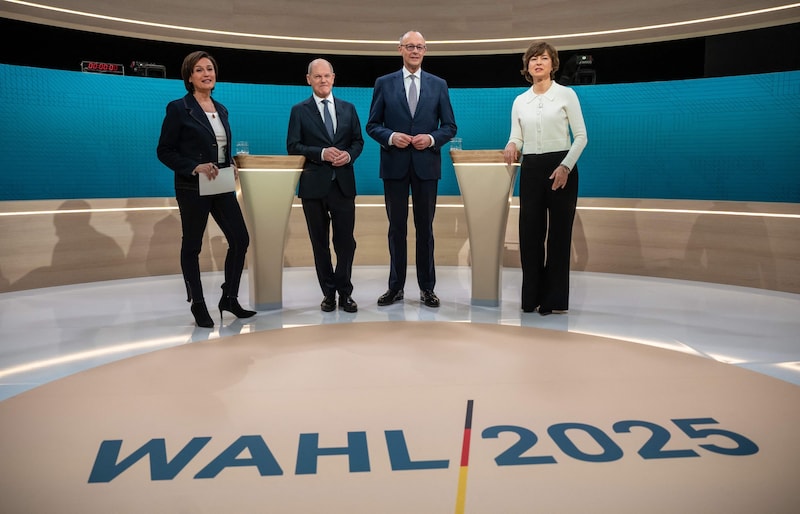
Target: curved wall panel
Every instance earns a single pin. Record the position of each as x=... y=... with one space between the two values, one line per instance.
x=81 y=135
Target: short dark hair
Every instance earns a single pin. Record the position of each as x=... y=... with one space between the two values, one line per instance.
x=536 y=49
x=188 y=67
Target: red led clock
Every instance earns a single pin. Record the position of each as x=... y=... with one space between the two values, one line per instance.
x=102 y=67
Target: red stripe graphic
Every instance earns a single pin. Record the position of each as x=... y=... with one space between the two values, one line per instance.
x=461 y=496
x=465 y=447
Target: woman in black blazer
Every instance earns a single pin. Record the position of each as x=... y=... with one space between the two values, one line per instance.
x=195 y=139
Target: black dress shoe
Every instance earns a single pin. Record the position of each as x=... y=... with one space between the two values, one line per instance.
x=390 y=296
x=328 y=303
x=429 y=298
x=347 y=303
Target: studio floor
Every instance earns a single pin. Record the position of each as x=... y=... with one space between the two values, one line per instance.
x=650 y=395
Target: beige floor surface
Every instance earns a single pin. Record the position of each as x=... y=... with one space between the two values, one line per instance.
x=678 y=401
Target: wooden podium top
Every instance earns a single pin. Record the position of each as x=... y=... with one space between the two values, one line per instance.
x=477 y=156
x=281 y=162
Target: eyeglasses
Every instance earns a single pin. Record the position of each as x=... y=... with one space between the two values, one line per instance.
x=411 y=48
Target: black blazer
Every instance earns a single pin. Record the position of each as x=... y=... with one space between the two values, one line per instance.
x=307 y=136
x=187 y=139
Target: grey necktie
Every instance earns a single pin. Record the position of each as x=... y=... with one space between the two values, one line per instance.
x=412 y=95
x=326 y=115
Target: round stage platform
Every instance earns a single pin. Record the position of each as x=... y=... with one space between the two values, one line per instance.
x=400 y=417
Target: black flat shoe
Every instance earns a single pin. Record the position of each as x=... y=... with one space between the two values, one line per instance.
x=429 y=298
x=328 y=303
x=201 y=316
x=390 y=296
x=347 y=304
x=231 y=304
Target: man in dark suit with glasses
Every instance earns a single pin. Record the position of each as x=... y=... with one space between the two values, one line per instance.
x=411 y=118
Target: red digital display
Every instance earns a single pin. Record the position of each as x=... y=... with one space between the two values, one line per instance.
x=102 y=67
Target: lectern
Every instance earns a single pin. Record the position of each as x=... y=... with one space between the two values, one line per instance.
x=269 y=183
x=486 y=185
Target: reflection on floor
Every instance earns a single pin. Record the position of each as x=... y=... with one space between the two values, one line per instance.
x=50 y=333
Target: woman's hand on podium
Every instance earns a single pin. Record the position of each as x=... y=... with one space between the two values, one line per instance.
x=510 y=153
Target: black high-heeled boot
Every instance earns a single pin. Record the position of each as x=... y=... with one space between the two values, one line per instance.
x=201 y=315
x=231 y=304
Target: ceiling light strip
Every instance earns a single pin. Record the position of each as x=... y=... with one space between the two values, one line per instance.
x=441 y=205
x=394 y=42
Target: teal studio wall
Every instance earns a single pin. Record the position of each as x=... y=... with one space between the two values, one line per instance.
x=70 y=135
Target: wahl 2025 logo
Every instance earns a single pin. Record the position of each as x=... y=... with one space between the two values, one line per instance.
x=698 y=436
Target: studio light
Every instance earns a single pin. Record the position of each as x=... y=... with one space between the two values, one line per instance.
x=148 y=69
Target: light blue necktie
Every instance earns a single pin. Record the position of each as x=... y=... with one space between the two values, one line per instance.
x=412 y=95
x=326 y=115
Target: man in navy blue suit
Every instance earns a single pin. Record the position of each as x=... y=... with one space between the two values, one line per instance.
x=327 y=131
x=411 y=118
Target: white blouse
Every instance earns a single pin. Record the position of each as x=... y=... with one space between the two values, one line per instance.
x=542 y=123
x=219 y=132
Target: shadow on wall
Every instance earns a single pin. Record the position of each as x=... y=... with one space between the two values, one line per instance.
x=84 y=253
x=579 y=254
x=731 y=247
x=78 y=243
x=690 y=240
x=580 y=248
x=156 y=244
x=152 y=250
x=5 y=284
x=712 y=254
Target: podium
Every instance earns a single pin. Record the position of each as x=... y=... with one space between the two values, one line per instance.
x=486 y=183
x=269 y=183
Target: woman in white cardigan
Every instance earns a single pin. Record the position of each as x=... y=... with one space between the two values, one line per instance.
x=548 y=130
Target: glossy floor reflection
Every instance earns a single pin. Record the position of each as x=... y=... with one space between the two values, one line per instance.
x=50 y=333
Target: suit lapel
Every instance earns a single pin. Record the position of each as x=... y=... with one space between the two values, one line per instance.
x=337 y=116
x=401 y=92
x=196 y=112
x=313 y=112
x=424 y=89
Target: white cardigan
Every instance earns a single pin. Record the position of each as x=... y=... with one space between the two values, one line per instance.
x=542 y=123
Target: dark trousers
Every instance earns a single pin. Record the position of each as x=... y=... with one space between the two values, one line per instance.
x=225 y=210
x=545 y=232
x=423 y=199
x=339 y=212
